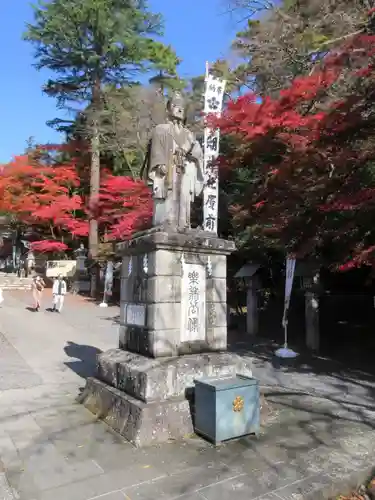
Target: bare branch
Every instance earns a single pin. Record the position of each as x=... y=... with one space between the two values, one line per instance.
x=282 y=44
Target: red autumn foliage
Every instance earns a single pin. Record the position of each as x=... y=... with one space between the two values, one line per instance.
x=309 y=155
x=45 y=246
x=38 y=193
x=125 y=206
x=51 y=197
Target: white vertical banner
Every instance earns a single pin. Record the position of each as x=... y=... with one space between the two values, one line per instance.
x=213 y=103
x=289 y=277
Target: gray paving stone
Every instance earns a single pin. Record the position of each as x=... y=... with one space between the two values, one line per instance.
x=269 y=496
x=16 y=402
x=8 y=452
x=59 y=475
x=171 y=458
x=25 y=434
x=245 y=486
x=191 y=496
x=6 y=492
x=274 y=449
x=15 y=372
x=116 y=495
x=358 y=444
x=20 y=424
x=182 y=483
x=333 y=460
x=85 y=440
x=63 y=417
x=23 y=483
x=53 y=449
x=49 y=469
x=103 y=484
x=108 y=452
x=304 y=489
x=108 y=456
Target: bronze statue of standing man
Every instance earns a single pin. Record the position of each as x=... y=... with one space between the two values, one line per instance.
x=174 y=168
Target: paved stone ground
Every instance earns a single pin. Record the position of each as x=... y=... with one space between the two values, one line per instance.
x=51 y=448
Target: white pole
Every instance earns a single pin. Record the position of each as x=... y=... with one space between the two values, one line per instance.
x=286 y=334
x=285 y=352
x=104 y=303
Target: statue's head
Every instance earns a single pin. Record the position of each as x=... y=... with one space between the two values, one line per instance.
x=176 y=106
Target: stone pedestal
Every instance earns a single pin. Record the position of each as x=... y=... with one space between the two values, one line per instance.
x=173 y=293
x=149 y=400
x=173 y=330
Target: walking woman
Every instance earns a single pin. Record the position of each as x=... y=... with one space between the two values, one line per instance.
x=37 y=288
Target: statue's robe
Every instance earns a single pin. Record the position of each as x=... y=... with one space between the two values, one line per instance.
x=174 y=191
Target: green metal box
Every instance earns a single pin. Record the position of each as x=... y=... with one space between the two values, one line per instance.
x=226 y=408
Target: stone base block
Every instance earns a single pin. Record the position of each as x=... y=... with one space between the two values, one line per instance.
x=159 y=379
x=149 y=400
x=140 y=423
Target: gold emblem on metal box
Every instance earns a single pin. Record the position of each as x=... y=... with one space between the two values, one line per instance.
x=238 y=403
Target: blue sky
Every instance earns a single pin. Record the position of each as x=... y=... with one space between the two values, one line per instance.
x=199 y=30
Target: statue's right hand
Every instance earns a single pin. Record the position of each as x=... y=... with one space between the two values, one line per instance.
x=162 y=170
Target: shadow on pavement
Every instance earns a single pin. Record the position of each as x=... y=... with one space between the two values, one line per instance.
x=346 y=384
x=115 y=319
x=85 y=358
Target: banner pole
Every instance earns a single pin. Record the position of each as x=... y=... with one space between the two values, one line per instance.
x=285 y=352
x=286 y=335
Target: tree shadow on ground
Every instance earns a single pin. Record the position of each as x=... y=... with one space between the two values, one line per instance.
x=339 y=382
x=85 y=358
x=306 y=437
x=321 y=422
x=321 y=419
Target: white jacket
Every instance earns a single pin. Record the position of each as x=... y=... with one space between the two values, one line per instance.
x=55 y=287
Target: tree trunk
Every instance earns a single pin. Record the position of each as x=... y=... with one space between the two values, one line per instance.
x=94 y=186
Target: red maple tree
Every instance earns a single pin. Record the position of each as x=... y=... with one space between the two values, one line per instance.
x=41 y=195
x=125 y=206
x=50 y=196
x=47 y=246
x=309 y=155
